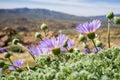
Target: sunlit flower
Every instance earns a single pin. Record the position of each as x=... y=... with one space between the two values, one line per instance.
x=89 y=27
x=53 y=43
x=3 y=50
x=99 y=49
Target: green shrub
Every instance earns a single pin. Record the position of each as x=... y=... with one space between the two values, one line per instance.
x=104 y=65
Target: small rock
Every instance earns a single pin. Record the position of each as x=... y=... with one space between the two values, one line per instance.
x=2 y=44
x=28 y=40
x=2 y=34
x=5 y=39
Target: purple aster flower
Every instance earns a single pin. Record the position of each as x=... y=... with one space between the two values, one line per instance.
x=36 y=51
x=88 y=27
x=18 y=63
x=99 y=49
x=49 y=44
x=3 y=50
x=11 y=68
x=87 y=50
x=0 y=69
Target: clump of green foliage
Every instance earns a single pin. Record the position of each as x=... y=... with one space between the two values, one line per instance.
x=104 y=65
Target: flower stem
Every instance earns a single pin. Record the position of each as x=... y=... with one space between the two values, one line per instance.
x=45 y=33
x=10 y=61
x=67 y=49
x=26 y=50
x=40 y=38
x=32 y=55
x=109 y=23
x=94 y=45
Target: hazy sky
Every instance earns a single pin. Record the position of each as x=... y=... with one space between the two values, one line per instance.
x=76 y=7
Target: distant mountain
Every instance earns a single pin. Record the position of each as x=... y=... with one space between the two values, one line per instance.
x=37 y=14
x=25 y=18
x=44 y=14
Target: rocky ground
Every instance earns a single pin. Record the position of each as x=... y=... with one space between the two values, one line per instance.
x=26 y=38
x=5 y=36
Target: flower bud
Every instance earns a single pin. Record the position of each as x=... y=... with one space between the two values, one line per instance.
x=81 y=38
x=98 y=43
x=70 y=50
x=44 y=26
x=65 y=44
x=2 y=63
x=110 y=15
x=56 y=51
x=91 y=35
x=48 y=58
x=15 y=41
x=117 y=20
x=85 y=45
x=7 y=55
x=37 y=35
